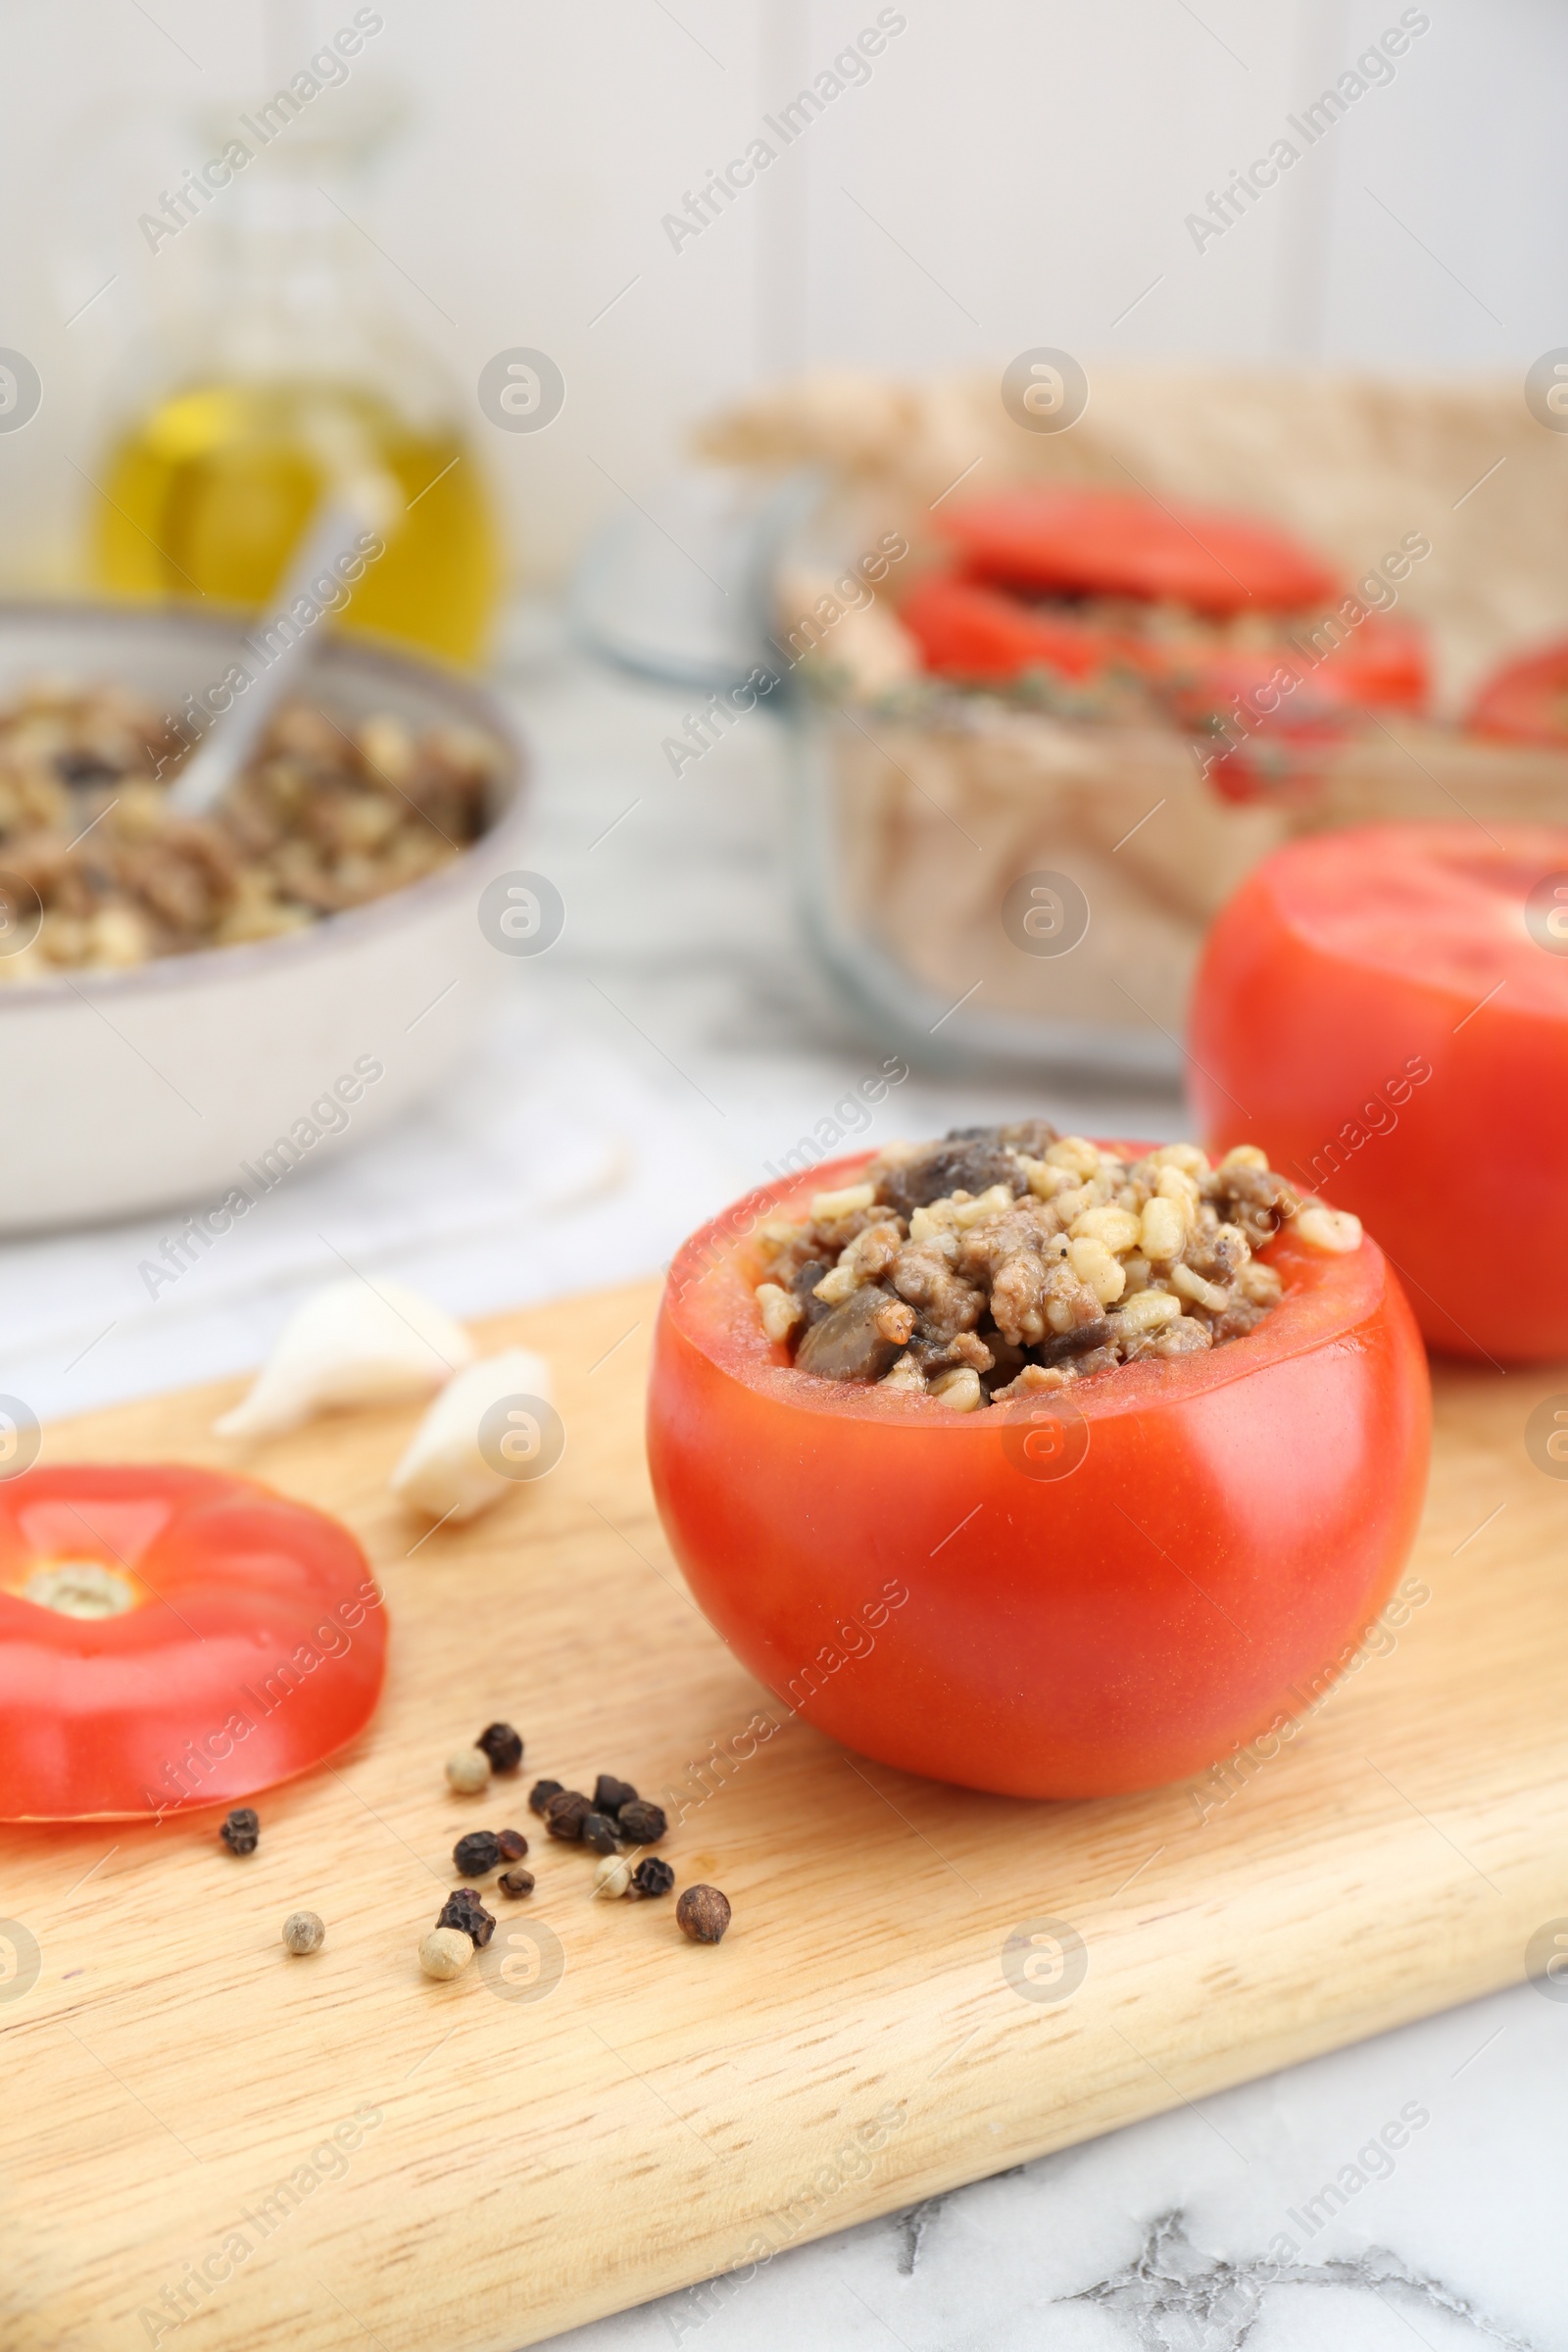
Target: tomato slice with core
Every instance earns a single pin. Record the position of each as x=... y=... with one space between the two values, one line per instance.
x=1113 y=543
x=1385 y=1010
x=1525 y=701
x=1096 y=1591
x=172 y=1636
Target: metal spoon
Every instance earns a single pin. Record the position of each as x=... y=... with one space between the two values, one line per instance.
x=277 y=649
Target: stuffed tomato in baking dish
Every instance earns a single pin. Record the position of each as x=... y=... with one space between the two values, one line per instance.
x=1041 y=1465
x=1116 y=606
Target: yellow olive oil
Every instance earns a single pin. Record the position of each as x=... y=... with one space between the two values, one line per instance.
x=208 y=493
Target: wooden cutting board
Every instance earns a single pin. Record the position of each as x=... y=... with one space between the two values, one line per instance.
x=613 y=2112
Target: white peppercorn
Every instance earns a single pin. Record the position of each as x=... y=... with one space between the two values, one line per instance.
x=612 y=1876
x=304 y=1931
x=468 y=1770
x=445 y=1952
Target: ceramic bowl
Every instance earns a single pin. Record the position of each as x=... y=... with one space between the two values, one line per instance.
x=132 y=1091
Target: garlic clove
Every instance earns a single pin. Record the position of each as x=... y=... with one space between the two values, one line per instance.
x=458 y=1462
x=354 y=1343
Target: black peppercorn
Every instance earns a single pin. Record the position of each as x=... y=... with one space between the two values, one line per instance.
x=652 y=1877
x=477 y=1853
x=540 y=1793
x=642 y=1823
x=513 y=1844
x=503 y=1746
x=463 y=1910
x=241 y=1830
x=609 y=1794
x=702 y=1914
x=566 y=1813
x=516 y=1881
x=599 y=1831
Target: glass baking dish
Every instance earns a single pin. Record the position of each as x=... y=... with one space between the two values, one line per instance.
x=994 y=877
x=986 y=881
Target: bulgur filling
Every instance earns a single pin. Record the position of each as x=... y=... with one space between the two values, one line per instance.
x=1006 y=1260
x=325 y=816
x=1162 y=666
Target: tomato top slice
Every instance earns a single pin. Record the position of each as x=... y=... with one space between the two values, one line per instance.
x=1440 y=907
x=1525 y=701
x=968 y=631
x=1112 y=543
x=172 y=1636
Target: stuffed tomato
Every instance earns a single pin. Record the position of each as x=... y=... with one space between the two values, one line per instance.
x=1525 y=699
x=1117 y=608
x=1180 y=1488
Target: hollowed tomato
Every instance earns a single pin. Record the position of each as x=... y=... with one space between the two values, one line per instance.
x=988 y=636
x=1383 y=665
x=1099 y=1590
x=968 y=631
x=1385 y=1010
x=1525 y=701
x=1269 y=713
x=1089 y=542
x=172 y=1636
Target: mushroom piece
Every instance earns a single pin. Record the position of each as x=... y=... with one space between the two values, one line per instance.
x=967 y=1161
x=849 y=1342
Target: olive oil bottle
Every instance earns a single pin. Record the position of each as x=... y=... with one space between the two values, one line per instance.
x=289 y=373
x=207 y=495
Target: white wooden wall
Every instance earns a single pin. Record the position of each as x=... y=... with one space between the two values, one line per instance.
x=1014 y=172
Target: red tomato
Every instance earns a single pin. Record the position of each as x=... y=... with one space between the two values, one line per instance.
x=1260 y=707
x=1113 y=543
x=250 y=1642
x=1525 y=701
x=1383 y=665
x=967 y=631
x=1374 y=1010
x=987 y=636
x=1274 y=700
x=966 y=1596
x=1267 y=713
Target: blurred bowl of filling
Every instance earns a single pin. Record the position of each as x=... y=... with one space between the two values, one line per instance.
x=191 y=1008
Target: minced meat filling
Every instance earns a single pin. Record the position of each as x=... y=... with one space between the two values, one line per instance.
x=1003 y=1260
x=322 y=817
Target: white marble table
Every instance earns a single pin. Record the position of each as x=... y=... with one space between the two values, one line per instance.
x=646 y=1070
